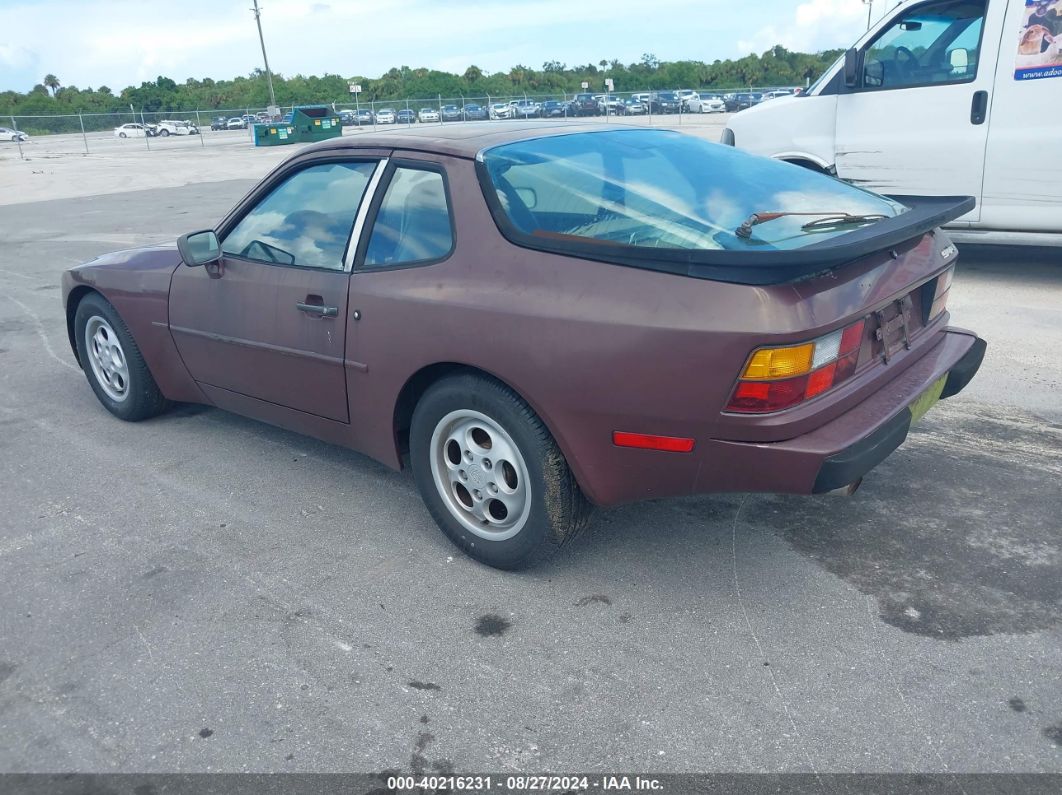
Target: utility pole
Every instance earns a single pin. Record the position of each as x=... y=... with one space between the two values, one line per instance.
x=261 y=38
x=869 y=4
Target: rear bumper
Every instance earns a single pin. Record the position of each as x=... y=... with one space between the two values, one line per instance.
x=857 y=460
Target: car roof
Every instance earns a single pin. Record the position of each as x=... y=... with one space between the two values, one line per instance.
x=465 y=141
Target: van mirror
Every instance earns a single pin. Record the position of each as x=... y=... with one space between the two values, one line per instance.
x=199 y=248
x=851 y=68
x=959 y=58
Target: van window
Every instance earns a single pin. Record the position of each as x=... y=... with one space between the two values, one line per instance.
x=931 y=44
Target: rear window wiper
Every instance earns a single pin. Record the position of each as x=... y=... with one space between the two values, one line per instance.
x=823 y=220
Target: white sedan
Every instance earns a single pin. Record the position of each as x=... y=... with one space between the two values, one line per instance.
x=7 y=134
x=707 y=104
x=131 y=131
x=428 y=114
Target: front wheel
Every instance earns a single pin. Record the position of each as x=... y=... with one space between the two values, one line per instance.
x=492 y=475
x=113 y=364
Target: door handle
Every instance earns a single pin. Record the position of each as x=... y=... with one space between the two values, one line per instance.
x=317 y=309
x=979 y=107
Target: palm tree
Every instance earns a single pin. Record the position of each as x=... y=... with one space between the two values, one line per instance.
x=473 y=73
x=52 y=82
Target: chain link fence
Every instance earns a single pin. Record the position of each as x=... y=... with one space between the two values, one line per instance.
x=92 y=133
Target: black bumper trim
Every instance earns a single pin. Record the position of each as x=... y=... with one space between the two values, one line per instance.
x=852 y=463
x=965 y=369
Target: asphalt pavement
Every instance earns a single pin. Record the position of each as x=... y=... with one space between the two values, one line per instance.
x=201 y=592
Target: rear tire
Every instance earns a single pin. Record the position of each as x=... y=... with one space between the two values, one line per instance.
x=491 y=474
x=113 y=364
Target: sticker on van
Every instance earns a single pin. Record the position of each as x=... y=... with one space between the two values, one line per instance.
x=1040 y=41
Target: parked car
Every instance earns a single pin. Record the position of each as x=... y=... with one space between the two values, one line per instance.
x=941 y=99
x=346 y=118
x=386 y=116
x=585 y=105
x=249 y=119
x=781 y=352
x=406 y=116
x=707 y=103
x=474 y=112
x=451 y=113
x=219 y=123
x=634 y=107
x=236 y=123
x=428 y=114
x=166 y=128
x=133 y=130
x=741 y=101
x=612 y=105
x=524 y=109
x=501 y=110
x=665 y=102
x=363 y=116
x=7 y=134
x=553 y=108
x=778 y=92
x=685 y=95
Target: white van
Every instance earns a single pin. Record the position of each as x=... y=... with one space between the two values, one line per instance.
x=941 y=97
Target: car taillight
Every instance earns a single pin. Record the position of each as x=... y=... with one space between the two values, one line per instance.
x=779 y=378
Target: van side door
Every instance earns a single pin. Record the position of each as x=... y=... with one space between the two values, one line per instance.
x=915 y=121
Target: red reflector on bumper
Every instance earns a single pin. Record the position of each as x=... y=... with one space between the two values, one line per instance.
x=669 y=444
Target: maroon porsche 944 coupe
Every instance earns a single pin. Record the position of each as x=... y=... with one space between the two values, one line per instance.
x=541 y=318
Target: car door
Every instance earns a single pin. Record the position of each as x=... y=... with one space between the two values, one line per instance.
x=915 y=122
x=268 y=320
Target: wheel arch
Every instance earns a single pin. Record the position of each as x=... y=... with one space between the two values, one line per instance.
x=73 y=301
x=807 y=161
x=424 y=378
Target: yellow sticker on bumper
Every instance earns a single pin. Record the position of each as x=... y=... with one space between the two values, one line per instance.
x=924 y=402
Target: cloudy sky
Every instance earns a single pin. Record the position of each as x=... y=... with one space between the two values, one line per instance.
x=123 y=42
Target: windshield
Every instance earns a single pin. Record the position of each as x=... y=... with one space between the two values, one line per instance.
x=662 y=189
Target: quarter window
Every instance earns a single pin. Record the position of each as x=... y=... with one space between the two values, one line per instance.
x=413 y=223
x=306 y=220
x=931 y=44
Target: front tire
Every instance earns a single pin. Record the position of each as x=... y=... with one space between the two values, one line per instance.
x=113 y=364
x=491 y=474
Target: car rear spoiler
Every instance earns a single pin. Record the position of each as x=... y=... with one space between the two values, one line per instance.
x=924 y=214
x=749 y=265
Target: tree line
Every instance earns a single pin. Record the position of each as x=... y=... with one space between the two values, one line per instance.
x=775 y=67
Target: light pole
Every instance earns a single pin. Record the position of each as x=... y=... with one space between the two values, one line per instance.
x=265 y=58
x=870 y=9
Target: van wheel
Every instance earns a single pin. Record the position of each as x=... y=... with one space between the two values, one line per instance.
x=164 y=133
x=491 y=474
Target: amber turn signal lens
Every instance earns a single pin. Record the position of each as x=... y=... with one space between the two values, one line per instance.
x=779 y=362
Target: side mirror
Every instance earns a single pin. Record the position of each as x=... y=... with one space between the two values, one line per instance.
x=959 y=60
x=851 y=68
x=199 y=248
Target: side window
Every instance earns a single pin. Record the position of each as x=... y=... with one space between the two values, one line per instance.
x=933 y=43
x=413 y=224
x=306 y=220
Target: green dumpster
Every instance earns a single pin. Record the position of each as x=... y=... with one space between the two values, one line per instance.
x=274 y=134
x=315 y=123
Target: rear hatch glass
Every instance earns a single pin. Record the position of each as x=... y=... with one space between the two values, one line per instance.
x=658 y=189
